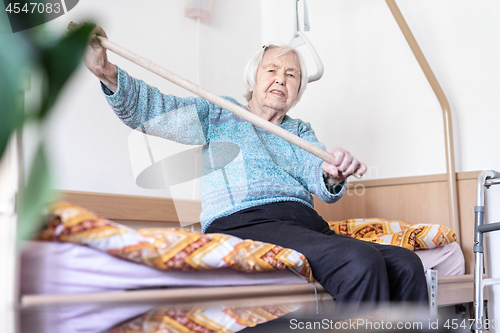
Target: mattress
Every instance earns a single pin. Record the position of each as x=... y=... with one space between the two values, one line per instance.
x=447 y=260
x=66 y=268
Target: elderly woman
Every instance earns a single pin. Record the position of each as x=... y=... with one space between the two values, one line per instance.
x=265 y=193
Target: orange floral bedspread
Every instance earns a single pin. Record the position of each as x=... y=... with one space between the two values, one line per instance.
x=175 y=249
x=399 y=233
x=169 y=249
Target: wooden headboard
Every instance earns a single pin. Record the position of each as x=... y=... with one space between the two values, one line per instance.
x=138 y=211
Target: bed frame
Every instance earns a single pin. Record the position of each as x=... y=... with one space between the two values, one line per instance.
x=378 y=200
x=446 y=199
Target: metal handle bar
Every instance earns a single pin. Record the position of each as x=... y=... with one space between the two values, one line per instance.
x=489 y=227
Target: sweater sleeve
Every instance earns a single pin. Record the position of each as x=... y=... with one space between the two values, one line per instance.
x=312 y=173
x=145 y=108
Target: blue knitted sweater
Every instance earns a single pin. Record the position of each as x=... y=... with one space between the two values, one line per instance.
x=253 y=167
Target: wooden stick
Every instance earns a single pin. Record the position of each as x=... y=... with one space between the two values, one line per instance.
x=217 y=100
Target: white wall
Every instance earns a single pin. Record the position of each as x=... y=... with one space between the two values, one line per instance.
x=89 y=146
x=374 y=99
x=492 y=248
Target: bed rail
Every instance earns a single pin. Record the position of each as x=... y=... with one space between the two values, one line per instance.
x=184 y=295
x=445 y=106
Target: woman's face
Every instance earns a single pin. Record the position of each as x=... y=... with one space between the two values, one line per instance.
x=278 y=81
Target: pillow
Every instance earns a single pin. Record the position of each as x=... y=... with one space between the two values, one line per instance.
x=168 y=249
x=399 y=233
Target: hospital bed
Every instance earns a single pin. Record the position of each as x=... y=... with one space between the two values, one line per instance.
x=66 y=285
x=79 y=274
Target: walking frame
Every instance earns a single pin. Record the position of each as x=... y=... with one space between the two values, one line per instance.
x=485 y=180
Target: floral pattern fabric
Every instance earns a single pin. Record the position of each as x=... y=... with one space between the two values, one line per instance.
x=169 y=249
x=176 y=249
x=399 y=233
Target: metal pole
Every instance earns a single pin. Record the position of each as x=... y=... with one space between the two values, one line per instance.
x=448 y=133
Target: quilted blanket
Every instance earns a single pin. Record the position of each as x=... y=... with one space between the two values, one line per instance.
x=175 y=249
x=169 y=249
x=399 y=233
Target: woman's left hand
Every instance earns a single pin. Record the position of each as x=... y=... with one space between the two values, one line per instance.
x=344 y=165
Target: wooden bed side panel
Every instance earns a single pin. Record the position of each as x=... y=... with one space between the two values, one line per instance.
x=135 y=208
x=414 y=203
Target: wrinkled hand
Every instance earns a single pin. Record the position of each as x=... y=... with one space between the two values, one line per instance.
x=344 y=165
x=96 y=58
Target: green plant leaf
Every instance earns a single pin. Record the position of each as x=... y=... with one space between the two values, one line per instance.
x=13 y=59
x=35 y=197
x=59 y=61
x=19 y=52
x=9 y=115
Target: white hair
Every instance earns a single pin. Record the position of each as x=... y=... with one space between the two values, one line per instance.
x=250 y=74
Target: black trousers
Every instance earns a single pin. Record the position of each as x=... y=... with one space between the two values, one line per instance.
x=352 y=271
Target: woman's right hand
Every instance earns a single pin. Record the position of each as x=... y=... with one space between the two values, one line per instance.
x=96 y=58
